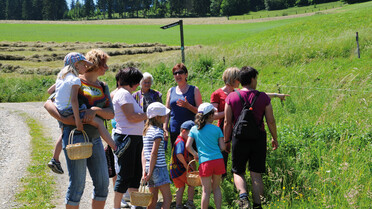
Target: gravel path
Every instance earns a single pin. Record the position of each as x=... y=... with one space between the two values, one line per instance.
x=15 y=154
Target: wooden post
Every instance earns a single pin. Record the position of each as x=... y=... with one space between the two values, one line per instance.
x=182 y=44
x=357 y=40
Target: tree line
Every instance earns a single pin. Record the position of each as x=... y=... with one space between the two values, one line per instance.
x=107 y=9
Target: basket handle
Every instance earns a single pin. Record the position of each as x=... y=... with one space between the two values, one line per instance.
x=188 y=165
x=142 y=187
x=71 y=136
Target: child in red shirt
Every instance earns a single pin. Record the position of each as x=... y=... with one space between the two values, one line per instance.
x=178 y=166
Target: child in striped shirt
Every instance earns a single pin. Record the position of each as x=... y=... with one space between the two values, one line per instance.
x=153 y=155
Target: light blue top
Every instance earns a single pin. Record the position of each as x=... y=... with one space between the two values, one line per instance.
x=153 y=133
x=207 y=142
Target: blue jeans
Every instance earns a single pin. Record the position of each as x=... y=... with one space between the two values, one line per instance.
x=97 y=166
x=160 y=176
x=68 y=111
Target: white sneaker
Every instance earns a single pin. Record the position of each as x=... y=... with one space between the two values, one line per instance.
x=124 y=204
x=126 y=197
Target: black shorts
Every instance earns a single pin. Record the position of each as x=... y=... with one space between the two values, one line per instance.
x=252 y=152
x=130 y=165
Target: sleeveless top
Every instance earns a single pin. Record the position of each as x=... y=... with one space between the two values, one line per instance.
x=178 y=115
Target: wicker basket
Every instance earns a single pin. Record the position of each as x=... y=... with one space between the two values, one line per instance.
x=78 y=151
x=141 y=198
x=193 y=178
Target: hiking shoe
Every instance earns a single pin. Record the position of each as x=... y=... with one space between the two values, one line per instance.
x=179 y=206
x=244 y=203
x=55 y=166
x=190 y=204
x=122 y=146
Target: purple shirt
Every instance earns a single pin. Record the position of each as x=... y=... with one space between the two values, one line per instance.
x=258 y=108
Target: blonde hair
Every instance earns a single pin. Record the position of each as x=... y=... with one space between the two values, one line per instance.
x=98 y=57
x=230 y=75
x=68 y=69
x=152 y=122
x=201 y=120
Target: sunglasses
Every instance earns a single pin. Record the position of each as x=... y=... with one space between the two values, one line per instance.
x=181 y=72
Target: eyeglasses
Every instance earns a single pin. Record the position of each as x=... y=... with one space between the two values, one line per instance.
x=181 y=72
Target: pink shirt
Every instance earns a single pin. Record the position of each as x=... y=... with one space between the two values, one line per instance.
x=258 y=108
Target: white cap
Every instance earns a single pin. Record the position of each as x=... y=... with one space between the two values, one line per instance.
x=156 y=109
x=206 y=108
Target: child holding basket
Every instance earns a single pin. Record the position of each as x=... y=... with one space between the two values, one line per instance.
x=153 y=155
x=209 y=142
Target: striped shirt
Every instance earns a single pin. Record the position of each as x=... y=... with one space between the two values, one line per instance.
x=148 y=140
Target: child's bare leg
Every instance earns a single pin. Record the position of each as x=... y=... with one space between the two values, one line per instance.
x=190 y=193
x=207 y=189
x=98 y=123
x=58 y=148
x=167 y=195
x=154 y=191
x=216 y=180
x=179 y=195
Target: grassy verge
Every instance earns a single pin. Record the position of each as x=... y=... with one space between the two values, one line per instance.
x=289 y=11
x=38 y=184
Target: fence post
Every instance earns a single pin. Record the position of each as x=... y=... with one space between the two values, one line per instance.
x=357 y=40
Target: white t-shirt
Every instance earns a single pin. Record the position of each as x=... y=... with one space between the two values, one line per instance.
x=123 y=126
x=63 y=91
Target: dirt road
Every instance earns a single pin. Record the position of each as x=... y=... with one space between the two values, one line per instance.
x=15 y=154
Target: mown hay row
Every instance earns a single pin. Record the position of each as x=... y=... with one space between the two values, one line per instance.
x=77 y=44
x=55 y=57
x=7 y=68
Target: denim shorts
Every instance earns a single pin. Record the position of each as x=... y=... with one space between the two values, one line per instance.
x=96 y=164
x=160 y=176
x=68 y=111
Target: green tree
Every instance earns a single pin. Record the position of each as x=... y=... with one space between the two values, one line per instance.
x=176 y=7
x=12 y=9
x=215 y=7
x=146 y=6
x=89 y=8
x=234 y=7
x=72 y=4
x=256 y=5
x=37 y=8
x=201 y=7
x=27 y=9
x=109 y=8
x=102 y=6
x=2 y=10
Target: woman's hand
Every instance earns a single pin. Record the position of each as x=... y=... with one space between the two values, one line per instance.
x=183 y=103
x=282 y=96
x=228 y=147
x=89 y=115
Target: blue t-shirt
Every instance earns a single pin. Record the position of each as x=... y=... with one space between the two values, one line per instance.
x=207 y=142
x=178 y=115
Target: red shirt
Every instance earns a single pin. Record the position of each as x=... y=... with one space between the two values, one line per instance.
x=258 y=108
x=219 y=97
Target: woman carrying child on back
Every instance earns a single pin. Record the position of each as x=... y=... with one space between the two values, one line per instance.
x=209 y=142
x=153 y=155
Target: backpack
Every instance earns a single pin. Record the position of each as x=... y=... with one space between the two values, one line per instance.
x=246 y=126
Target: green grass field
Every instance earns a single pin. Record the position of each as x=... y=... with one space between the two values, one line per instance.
x=194 y=34
x=324 y=127
x=289 y=11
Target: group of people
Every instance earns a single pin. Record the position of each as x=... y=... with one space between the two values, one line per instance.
x=81 y=101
